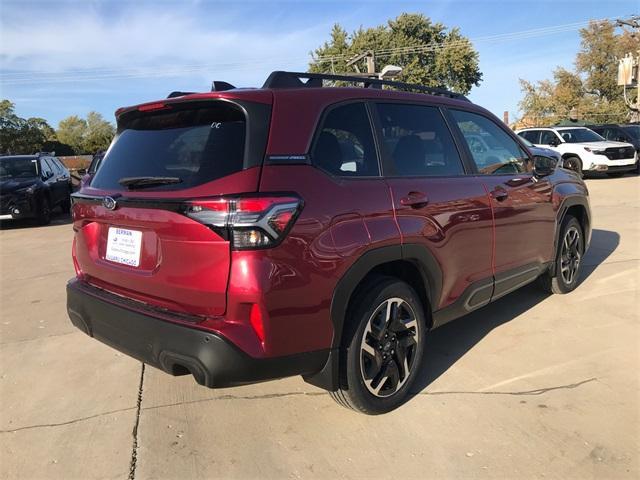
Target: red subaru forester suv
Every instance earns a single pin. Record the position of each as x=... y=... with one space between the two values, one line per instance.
x=242 y=235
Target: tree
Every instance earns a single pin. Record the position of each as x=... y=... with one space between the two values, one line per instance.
x=72 y=131
x=19 y=135
x=429 y=53
x=99 y=133
x=591 y=92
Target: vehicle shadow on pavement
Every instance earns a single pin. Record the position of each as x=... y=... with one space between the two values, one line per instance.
x=447 y=344
x=56 y=219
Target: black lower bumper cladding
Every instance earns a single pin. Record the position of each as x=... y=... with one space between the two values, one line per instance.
x=176 y=348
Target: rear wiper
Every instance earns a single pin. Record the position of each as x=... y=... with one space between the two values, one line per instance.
x=143 y=182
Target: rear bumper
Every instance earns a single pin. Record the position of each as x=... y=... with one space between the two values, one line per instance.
x=177 y=348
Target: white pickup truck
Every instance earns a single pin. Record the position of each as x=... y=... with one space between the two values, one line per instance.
x=583 y=150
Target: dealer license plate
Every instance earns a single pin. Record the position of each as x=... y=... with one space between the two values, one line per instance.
x=123 y=246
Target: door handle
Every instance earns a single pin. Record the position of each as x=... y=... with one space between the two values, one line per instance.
x=414 y=200
x=500 y=194
x=518 y=181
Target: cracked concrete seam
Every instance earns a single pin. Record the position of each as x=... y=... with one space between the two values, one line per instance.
x=139 y=409
x=134 y=432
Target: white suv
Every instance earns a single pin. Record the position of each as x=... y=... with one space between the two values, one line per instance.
x=583 y=150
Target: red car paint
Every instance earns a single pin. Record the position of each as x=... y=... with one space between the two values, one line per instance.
x=275 y=302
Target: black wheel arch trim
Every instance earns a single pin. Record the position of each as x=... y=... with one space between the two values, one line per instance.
x=568 y=202
x=417 y=254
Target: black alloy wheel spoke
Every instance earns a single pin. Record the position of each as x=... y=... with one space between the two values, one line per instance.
x=388 y=346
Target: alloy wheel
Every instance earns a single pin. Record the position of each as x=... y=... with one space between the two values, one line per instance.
x=570 y=255
x=388 y=347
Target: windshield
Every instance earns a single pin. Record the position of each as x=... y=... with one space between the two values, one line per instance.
x=16 y=167
x=191 y=145
x=580 y=135
x=633 y=130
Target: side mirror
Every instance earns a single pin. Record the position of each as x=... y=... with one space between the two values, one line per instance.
x=543 y=166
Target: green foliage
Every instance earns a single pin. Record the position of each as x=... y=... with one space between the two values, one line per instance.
x=22 y=136
x=591 y=92
x=74 y=135
x=99 y=133
x=71 y=131
x=429 y=53
x=86 y=136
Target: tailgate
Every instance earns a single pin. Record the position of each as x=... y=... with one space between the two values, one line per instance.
x=133 y=237
x=173 y=263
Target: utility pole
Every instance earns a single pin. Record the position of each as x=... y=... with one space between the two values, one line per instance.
x=629 y=67
x=371 y=62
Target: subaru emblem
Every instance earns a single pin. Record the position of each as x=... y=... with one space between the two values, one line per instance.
x=109 y=203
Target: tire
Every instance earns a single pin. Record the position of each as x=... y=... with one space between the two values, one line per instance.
x=568 y=262
x=615 y=174
x=377 y=353
x=43 y=216
x=574 y=163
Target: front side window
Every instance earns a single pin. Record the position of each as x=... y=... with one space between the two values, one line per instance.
x=417 y=141
x=47 y=171
x=18 y=167
x=344 y=145
x=492 y=149
x=548 y=137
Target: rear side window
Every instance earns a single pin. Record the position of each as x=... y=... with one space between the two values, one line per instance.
x=492 y=149
x=344 y=144
x=194 y=145
x=417 y=141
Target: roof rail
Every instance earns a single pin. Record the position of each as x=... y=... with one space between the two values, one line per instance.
x=46 y=154
x=280 y=79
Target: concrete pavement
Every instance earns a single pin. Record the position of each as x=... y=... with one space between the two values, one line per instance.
x=532 y=386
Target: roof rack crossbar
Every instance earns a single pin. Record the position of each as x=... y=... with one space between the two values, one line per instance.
x=281 y=79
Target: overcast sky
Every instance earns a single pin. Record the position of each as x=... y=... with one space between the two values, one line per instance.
x=60 y=58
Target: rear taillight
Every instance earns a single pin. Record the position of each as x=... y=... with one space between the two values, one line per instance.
x=249 y=222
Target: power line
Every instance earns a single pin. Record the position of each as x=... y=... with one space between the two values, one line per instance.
x=28 y=76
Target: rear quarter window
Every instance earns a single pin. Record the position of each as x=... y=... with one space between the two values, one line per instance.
x=196 y=145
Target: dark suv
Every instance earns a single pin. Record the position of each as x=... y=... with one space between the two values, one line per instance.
x=629 y=133
x=242 y=235
x=31 y=186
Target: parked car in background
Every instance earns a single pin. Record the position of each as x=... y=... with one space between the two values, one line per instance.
x=31 y=186
x=583 y=150
x=629 y=133
x=542 y=151
x=93 y=168
x=251 y=234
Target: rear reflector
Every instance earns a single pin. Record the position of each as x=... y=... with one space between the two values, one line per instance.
x=255 y=222
x=255 y=318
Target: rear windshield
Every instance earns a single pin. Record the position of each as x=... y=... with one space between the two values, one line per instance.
x=190 y=146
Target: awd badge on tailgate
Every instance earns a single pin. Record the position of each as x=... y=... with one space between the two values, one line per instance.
x=109 y=203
